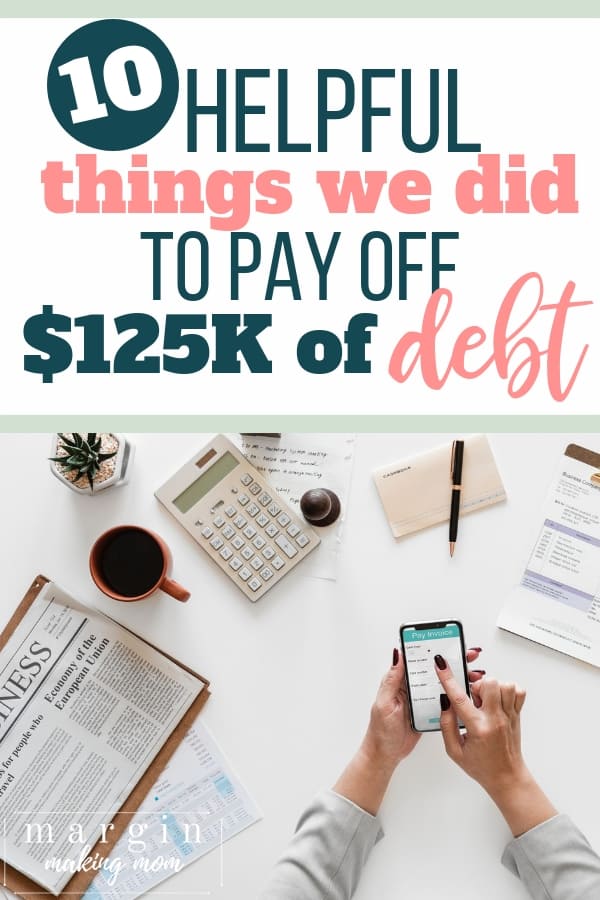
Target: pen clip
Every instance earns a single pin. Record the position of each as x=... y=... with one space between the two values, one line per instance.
x=452 y=458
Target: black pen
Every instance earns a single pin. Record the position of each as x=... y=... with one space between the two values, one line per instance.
x=456 y=463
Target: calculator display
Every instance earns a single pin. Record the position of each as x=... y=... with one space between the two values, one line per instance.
x=202 y=485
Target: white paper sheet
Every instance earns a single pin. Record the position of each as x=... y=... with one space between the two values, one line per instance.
x=197 y=804
x=557 y=602
x=295 y=463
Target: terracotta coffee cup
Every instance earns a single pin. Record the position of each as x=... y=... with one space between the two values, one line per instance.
x=129 y=563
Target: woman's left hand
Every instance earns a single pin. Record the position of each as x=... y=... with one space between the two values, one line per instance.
x=390 y=737
x=388 y=740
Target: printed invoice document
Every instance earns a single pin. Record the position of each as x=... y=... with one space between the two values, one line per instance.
x=557 y=602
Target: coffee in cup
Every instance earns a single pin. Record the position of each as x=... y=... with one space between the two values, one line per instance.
x=129 y=563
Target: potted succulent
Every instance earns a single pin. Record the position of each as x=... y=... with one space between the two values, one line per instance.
x=92 y=462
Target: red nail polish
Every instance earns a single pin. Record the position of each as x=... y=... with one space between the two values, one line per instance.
x=444 y=702
x=395 y=657
x=476 y=649
x=479 y=671
x=440 y=661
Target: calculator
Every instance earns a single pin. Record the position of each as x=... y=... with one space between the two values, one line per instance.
x=235 y=515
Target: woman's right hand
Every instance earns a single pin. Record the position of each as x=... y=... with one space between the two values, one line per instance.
x=490 y=751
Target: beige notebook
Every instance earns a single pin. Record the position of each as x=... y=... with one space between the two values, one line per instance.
x=416 y=491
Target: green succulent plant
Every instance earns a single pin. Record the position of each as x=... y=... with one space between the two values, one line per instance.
x=82 y=455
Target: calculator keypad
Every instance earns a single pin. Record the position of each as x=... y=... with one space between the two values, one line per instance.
x=259 y=546
x=288 y=548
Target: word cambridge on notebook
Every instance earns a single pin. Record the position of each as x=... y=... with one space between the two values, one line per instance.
x=415 y=492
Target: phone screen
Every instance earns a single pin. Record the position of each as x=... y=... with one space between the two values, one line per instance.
x=420 y=644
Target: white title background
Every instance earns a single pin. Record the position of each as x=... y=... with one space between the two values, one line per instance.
x=523 y=87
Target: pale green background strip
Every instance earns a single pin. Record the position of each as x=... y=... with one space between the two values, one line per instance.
x=305 y=8
x=448 y=424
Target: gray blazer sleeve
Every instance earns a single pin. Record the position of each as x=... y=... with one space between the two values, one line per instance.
x=332 y=842
x=555 y=862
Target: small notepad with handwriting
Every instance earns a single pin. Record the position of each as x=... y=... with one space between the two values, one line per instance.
x=415 y=492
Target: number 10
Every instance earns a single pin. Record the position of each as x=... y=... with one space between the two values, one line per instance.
x=132 y=80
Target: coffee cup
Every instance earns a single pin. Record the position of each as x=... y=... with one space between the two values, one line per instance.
x=129 y=563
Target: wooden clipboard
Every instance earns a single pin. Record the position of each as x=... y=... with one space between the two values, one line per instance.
x=589 y=457
x=22 y=885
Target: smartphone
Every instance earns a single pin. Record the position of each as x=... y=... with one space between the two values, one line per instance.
x=420 y=643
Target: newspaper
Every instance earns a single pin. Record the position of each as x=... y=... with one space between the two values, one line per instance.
x=85 y=706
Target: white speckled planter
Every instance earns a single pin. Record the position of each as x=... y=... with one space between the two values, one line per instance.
x=113 y=472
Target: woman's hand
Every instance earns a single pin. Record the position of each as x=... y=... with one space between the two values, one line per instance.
x=490 y=751
x=389 y=739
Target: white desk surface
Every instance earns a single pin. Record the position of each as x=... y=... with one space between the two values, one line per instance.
x=294 y=675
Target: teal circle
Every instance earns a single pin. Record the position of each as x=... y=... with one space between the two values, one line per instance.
x=117 y=129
